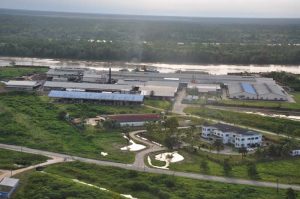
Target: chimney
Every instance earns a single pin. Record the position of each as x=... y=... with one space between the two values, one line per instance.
x=109 y=76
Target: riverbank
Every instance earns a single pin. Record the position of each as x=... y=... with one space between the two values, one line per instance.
x=161 y=67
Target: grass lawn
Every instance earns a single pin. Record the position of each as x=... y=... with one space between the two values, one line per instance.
x=56 y=182
x=36 y=185
x=277 y=125
x=92 y=110
x=286 y=171
x=10 y=72
x=264 y=104
x=162 y=104
x=10 y=160
x=32 y=121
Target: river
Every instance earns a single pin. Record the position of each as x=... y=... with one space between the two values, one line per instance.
x=161 y=67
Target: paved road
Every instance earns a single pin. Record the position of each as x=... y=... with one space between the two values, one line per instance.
x=178 y=107
x=252 y=109
x=52 y=160
x=138 y=167
x=151 y=147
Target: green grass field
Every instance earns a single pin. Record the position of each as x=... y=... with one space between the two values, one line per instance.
x=286 y=171
x=33 y=121
x=10 y=160
x=57 y=183
x=162 y=104
x=10 y=72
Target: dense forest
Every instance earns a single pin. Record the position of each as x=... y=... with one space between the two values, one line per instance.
x=149 y=39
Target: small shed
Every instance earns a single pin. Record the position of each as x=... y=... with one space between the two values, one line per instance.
x=7 y=187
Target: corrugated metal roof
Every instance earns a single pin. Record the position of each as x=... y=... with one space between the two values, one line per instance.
x=21 y=83
x=10 y=182
x=96 y=96
x=248 y=88
x=89 y=86
x=134 y=117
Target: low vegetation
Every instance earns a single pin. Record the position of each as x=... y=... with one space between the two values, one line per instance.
x=11 y=160
x=33 y=121
x=141 y=185
x=40 y=185
x=10 y=72
x=162 y=104
x=91 y=110
x=284 y=170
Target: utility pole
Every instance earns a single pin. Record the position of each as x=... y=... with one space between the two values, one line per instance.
x=277 y=188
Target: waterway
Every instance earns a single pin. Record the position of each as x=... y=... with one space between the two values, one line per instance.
x=161 y=67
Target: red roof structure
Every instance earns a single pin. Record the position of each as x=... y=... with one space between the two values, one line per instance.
x=134 y=117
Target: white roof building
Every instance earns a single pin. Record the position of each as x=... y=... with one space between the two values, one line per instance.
x=205 y=88
x=164 y=89
x=10 y=182
x=258 y=91
x=22 y=85
x=50 y=85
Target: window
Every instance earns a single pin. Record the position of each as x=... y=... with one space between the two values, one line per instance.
x=227 y=135
x=243 y=139
x=256 y=138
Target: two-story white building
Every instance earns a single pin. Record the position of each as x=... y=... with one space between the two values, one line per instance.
x=232 y=135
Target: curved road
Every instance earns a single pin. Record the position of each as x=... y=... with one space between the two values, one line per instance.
x=151 y=147
x=139 y=165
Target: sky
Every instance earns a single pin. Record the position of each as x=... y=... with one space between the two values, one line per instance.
x=195 y=8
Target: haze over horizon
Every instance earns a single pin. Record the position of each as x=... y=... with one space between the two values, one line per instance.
x=188 y=8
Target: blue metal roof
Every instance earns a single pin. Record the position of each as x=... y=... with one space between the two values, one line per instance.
x=96 y=96
x=248 y=88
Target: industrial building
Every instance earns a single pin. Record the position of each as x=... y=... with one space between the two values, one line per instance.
x=22 y=85
x=89 y=87
x=232 y=135
x=164 y=85
x=154 y=89
x=99 y=98
x=134 y=119
x=7 y=187
x=94 y=77
x=185 y=78
x=258 y=91
x=71 y=74
x=205 y=88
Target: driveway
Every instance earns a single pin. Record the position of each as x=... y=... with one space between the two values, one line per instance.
x=178 y=107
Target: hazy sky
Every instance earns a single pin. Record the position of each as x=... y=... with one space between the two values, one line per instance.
x=201 y=8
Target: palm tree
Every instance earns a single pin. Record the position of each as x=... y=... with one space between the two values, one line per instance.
x=218 y=144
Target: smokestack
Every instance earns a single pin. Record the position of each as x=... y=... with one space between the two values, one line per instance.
x=109 y=76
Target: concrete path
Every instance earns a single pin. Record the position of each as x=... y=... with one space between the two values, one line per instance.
x=53 y=160
x=143 y=168
x=178 y=107
x=151 y=147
